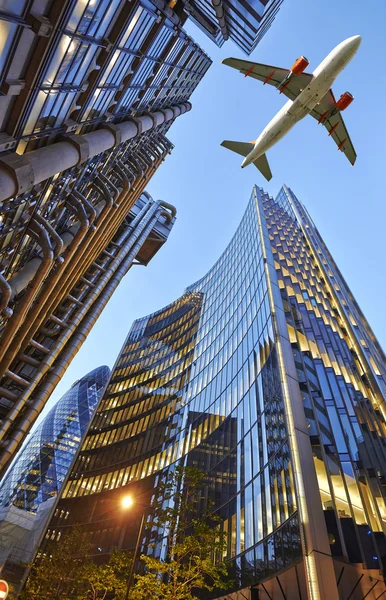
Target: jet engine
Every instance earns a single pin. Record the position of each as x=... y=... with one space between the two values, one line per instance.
x=299 y=65
x=344 y=101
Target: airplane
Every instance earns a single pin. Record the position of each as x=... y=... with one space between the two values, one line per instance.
x=308 y=93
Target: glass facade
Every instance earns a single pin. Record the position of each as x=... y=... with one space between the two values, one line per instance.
x=267 y=377
x=245 y=22
x=341 y=374
x=68 y=68
x=41 y=467
x=32 y=484
x=92 y=87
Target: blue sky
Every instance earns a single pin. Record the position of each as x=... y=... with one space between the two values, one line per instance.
x=206 y=184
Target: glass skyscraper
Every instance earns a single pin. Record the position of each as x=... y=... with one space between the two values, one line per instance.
x=245 y=22
x=265 y=375
x=32 y=484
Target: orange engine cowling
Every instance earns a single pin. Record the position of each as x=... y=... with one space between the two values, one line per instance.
x=299 y=65
x=344 y=101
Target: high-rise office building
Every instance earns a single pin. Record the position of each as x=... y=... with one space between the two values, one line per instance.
x=245 y=22
x=46 y=333
x=265 y=375
x=31 y=486
x=89 y=89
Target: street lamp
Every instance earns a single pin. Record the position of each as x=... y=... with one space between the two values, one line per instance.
x=127 y=502
x=124 y=503
x=130 y=579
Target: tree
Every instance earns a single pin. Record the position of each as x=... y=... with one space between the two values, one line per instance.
x=66 y=572
x=56 y=574
x=99 y=580
x=193 y=542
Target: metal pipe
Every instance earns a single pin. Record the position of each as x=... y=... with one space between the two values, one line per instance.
x=147 y=195
x=8 y=394
x=74 y=236
x=159 y=117
x=107 y=286
x=26 y=274
x=167 y=216
x=20 y=281
x=81 y=332
x=220 y=14
x=48 y=161
x=29 y=360
x=6 y=292
x=80 y=232
x=104 y=241
x=131 y=195
x=37 y=279
x=79 y=196
x=71 y=234
x=122 y=238
x=17 y=327
x=104 y=190
x=59 y=246
x=170 y=207
x=107 y=182
x=115 y=220
x=122 y=172
x=16 y=378
x=76 y=230
x=116 y=216
x=80 y=211
x=39 y=347
x=105 y=230
x=38 y=309
x=60 y=324
x=137 y=166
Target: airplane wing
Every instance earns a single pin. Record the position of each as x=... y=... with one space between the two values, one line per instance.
x=334 y=125
x=272 y=75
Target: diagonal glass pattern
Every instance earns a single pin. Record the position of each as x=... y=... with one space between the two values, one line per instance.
x=267 y=377
x=42 y=465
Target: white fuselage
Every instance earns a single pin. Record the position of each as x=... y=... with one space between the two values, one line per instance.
x=293 y=111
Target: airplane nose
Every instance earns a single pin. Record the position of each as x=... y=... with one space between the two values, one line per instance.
x=355 y=40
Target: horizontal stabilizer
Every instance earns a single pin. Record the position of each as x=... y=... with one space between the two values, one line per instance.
x=262 y=164
x=243 y=148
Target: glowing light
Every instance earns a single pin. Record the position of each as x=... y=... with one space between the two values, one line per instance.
x=127 y=502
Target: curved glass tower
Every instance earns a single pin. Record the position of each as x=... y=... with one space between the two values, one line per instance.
x=30 y=487
x=266 y=376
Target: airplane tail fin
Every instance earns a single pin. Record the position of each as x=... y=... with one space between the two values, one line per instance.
x=244 y=148
x=262 y=164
